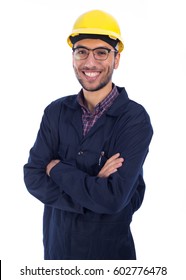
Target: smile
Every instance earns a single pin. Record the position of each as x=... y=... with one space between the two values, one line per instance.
x=92 y=74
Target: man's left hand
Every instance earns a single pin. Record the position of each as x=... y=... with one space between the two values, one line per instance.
x=51 y=165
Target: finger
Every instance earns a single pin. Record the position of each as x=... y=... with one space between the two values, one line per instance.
x=113 y=167
x=113 y=163
x=113 y=157
x=112 y=172
x=106 y=171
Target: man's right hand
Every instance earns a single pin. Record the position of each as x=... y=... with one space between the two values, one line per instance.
x=111 y=166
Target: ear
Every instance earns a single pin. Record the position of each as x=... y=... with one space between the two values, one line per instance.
x=116 y=62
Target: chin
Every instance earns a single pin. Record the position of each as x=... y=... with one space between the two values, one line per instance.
x=93 y=88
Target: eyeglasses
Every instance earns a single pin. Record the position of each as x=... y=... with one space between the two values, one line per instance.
x=81 y=53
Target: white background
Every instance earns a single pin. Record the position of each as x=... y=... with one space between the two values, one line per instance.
x=36 y=68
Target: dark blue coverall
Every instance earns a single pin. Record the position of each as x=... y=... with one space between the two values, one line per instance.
x=87 y=217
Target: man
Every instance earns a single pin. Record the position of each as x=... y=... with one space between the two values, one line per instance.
x=86 y=164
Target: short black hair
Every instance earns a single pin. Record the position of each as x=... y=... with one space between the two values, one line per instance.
x=105 y=38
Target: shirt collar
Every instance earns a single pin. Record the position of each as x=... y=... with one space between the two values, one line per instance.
x=100 y=106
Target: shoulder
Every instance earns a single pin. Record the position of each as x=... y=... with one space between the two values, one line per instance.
x=132 y=116
x=138 y=110
x=129 y=108
x=60 y=103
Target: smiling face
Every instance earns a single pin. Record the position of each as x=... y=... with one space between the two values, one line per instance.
x=94 y=74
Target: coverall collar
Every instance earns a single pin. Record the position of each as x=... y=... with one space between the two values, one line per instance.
x=115 y=110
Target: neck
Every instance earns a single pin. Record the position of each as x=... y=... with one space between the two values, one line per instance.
x=95 y=97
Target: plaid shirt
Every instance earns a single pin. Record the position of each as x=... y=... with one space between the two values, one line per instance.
x=90 y=118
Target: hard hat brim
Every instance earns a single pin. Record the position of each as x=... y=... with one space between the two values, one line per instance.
x=112 y=35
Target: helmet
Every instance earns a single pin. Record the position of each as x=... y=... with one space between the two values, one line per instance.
x=97 y=22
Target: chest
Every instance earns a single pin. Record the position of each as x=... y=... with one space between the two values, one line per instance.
x=89 y=152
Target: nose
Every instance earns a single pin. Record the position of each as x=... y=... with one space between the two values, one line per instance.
x=90 y=60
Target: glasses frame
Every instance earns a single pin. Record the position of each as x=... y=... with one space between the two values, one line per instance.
x=92 y=50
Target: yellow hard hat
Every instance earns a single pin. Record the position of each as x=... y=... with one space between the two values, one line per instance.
x=99 y=23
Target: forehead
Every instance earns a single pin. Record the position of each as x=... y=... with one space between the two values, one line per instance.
x=92 y=43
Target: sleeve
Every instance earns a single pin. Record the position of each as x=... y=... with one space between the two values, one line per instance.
x=36 y=180
x=110 y=195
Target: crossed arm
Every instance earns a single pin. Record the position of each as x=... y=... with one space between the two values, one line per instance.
x=111 y=166
x=117 y=181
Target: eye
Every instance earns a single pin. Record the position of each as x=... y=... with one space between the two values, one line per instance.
x=101 y=52
x=81 y=51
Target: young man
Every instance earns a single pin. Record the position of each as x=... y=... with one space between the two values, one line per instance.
x=86 y=164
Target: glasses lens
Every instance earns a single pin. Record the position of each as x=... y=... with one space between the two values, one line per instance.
x=101 y=53
x=81 y=53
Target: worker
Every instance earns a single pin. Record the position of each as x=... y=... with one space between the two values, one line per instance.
x=86 y=165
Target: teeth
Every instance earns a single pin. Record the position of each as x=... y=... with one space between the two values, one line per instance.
x=92 y=74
